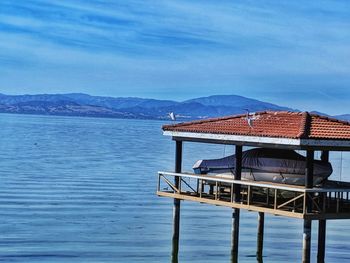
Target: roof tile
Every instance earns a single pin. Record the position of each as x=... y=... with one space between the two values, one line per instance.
x=280 y=124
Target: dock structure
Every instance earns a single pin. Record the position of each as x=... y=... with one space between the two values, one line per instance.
x=283 y=130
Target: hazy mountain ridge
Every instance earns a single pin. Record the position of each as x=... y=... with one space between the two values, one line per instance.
x=345 y=117
x=79 y=104
x=118 y=103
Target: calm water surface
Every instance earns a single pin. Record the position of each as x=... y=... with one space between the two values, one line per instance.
x=83 y=190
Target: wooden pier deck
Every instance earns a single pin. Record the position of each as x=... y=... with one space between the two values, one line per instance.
x=328 y=202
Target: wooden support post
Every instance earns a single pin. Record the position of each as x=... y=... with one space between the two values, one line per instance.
x=260 y=239
x=238 y=172
x=309 y=172
x=176 y=208
x=307 y=241
x=321 y=249
x=236 y=211
x=325 y=156
x=235 y=235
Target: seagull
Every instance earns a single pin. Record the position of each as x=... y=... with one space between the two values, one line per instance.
x=250 y=119
x=250 y=122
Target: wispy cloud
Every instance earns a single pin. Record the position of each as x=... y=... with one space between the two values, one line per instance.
x=175 y=49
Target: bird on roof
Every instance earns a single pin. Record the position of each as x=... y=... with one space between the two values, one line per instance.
x=250 y=118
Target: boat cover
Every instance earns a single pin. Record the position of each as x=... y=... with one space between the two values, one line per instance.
x=267 y=160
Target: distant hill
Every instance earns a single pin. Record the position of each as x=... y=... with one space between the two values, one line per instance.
x=118 y=103
x=79 y=104
x=320 y=113
x=234 y=101
x=344 y=117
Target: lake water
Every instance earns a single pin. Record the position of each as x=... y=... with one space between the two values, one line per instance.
x=83 y=190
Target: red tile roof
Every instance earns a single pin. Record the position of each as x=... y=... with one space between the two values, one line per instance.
x=280 y=124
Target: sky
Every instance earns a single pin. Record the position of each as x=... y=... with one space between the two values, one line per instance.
x=292 y=53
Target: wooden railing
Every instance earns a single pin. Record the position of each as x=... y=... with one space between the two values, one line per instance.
x=279 y=199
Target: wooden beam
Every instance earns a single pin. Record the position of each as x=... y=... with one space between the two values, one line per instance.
x=341 y=186
x=286 y=187
x=309 y=171
x=242 y=143
x=176 y=207
x=238 y=172
x=258 y=141
x=290 y=201
x=325 y=156
x=234 y=205
x=178 y=157
x=328 y=216
x=171 y=185
x=264 y=145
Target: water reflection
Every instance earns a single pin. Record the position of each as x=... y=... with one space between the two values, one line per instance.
x=259 y=259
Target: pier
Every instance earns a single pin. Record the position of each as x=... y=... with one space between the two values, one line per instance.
x=283 y=130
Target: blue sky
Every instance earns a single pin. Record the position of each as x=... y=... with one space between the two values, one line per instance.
x=293 y=53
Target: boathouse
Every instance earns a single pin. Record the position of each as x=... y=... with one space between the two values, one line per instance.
x=300 y=131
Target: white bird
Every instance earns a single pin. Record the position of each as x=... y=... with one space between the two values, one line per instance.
x=250 y=119
x=250 y=122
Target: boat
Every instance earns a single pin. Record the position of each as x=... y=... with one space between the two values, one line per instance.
x=269 y=165
x=172 y=116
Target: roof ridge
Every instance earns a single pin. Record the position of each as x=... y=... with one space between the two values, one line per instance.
x=305 y=125
x=182 y=124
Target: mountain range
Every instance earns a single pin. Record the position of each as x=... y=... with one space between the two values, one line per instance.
x=79 y=104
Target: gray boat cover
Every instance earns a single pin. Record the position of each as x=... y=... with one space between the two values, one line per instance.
x=266 y=160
